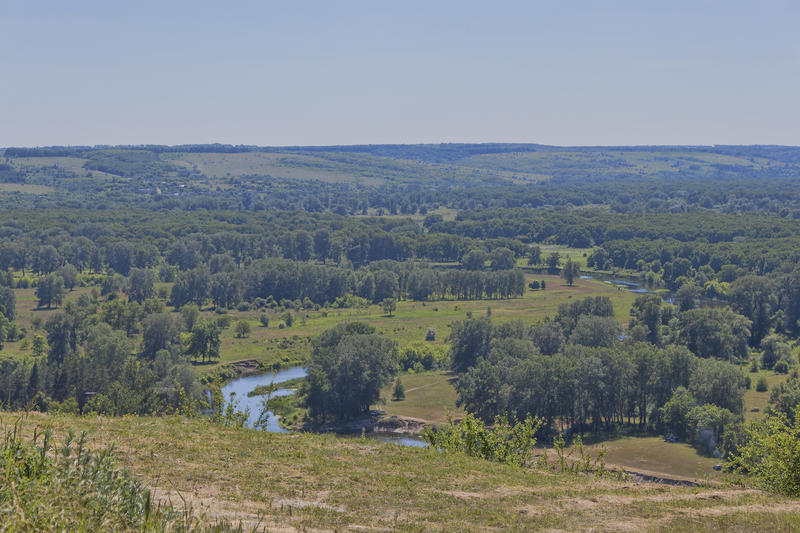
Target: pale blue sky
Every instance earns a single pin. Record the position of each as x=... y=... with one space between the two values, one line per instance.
x=298 y=73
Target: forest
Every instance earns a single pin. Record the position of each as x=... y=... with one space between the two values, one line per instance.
x=134 y=280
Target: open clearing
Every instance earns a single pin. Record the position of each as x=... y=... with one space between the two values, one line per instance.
x=430 y=396
x=25 y=188
x=654 y=455
x=299 y=167
x=758 y=400
x=409 y=323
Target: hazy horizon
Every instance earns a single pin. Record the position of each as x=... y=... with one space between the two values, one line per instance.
x=320 y=74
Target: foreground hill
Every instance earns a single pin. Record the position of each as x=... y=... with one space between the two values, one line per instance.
x=319 y=482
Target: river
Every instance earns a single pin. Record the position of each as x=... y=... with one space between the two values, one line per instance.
x=631 y=286
x=236 y=392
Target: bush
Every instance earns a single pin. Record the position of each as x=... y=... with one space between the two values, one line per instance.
x=769 y=454
x=190 y=314
x=242 y=328
x=421 y=357
x=502 y=442
x=389 y=306
x=430 y=335
x=244 y=306
x=350 y=300
x=761 y=384
x=782 y=367
x=264 y=319
x=399 y=392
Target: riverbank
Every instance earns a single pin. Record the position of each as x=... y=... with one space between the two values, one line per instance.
x=376 y=421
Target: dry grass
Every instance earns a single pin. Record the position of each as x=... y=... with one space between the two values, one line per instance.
x=302 y=482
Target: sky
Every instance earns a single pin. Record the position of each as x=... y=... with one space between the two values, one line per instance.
x=345 y=72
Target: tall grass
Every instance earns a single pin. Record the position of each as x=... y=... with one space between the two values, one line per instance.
x=45 y=486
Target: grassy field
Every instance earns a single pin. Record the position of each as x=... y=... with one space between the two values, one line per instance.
x=300 y=167
x=302 y=482
x=26 y=188
x=291 y=345
x=655 y=456
x=578 y=255
x=758 y=400
x=409 y=323
x=430 y=396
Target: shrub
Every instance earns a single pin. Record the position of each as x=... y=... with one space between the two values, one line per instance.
x=761 y=384
x=350 y=300
x=430 y=335
x=769 y=454
x=264 y=319
x=782 y=367
x=389 y=305
x=242 y=328
x=399 y=392
x=420 y=357
x=189 y=314
x=503 y=442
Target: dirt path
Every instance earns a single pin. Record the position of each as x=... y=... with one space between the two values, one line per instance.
x=430 y=384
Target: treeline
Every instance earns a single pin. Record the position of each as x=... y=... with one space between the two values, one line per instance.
x=276 y=280
x=121 y=240
x=587 y=227
x=671 y=262
x=668 y=249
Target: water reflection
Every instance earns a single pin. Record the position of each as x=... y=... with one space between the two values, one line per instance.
x=236 y=392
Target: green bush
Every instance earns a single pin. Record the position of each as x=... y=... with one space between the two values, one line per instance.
x=242 y=328
x=427 y=356
x=502 y=442
x=761 y=384
x=770 y=454
x=399 y=392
